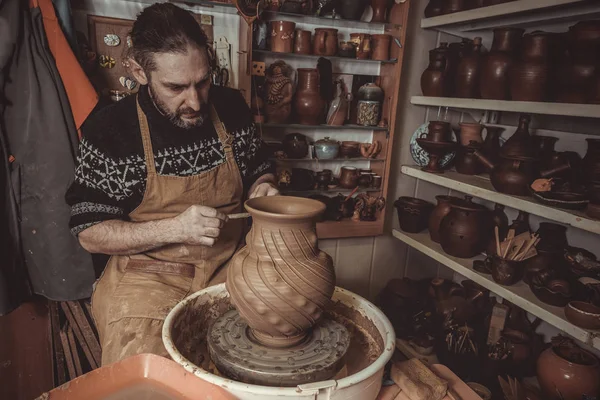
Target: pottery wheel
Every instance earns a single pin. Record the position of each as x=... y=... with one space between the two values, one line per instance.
x=238 y=356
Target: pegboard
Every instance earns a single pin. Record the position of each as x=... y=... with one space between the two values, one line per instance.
x=107 y=79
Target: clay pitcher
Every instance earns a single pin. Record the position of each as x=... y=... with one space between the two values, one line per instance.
x=494 y=83
x=491 y=144
x=325 y=42
x=349 y=177
x=282 y=36
x=281 y=297
x=379 y=10
x=468 y=71
x=466 y=162
x=439 y=212
x=302 y=42
x=381 y=47
x=434 y=80
x=520 y=143
x=363 y=45
x=470 y=132
x=529 y=76
x=438 y=131
x=308 y=104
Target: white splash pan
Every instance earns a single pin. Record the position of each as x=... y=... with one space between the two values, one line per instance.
x=363 y=385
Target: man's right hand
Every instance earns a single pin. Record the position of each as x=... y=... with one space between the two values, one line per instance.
x=200 y=225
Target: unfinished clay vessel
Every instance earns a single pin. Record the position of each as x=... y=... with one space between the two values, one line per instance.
x=280 y=281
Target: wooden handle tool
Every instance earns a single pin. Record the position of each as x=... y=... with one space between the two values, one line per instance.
x=498 y=251
x=239 y=215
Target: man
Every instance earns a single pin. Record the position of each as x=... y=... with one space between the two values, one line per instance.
x=157 y=175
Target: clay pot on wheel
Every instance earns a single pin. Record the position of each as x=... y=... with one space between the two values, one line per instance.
x=308 y=104
x=494 y=82
x=291 y=224
x=567 y=372
x=413 y=213
x=439 y=212
x=465 y=231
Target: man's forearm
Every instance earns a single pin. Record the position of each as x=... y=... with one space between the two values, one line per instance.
x=116 y=237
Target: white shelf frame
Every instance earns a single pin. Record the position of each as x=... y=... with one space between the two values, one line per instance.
x=527 y=107
x=518 y=294
x=480 y=186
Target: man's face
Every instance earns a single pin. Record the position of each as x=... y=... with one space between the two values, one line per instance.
x=179 y=86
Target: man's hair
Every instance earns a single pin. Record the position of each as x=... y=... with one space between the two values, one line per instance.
x=163 y=28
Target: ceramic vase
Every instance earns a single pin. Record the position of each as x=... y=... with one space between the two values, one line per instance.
x=282 y=36
x=520 y=143
x=281 y=297
x=470 y=132
x=494 y=83
x=468 y=71
x=351 y=9
x=379 y=10
x=308 y=104
x=529 y=76
x=491 y=144
x=435 y=79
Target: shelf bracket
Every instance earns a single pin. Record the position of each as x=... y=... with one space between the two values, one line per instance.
x=490 y=117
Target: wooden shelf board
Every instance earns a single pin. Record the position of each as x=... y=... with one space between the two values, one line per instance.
x=480 y=186
x=348 y=228
x=316 y=160
x=545 y=108
x=519 y=294
x=327 y=127
x=327 y=21
x=521 y=13
x=328 y=191
x=316 y=57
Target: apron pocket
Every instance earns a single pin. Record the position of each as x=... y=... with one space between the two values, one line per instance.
x=147 y=295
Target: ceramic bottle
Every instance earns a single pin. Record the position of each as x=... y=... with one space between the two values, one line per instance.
x=379 y=10
x=468 y=71
x=529 y=75
x=494 y=82
x=520 y=143
x=308 y=104
x=434 y=80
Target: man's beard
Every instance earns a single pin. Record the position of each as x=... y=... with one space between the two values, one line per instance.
x=176 y=117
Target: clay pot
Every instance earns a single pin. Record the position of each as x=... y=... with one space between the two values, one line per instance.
x=351 y=9
x=381 y=47
x=520 y=143
x=584 y=39
x=553 y=238
x=452 y=6
x=350 y=149
x=466 y=162
x=584 y=315
x=465 y=231
x=436 y=152
x=303 y=42
x=468 y=72
x=379 y=10
x=363 y=45
x=544 y=149
x=575 y=80
x=282 y=36
x=494 y=82
x=349 y=177
x=470 y=132
x=413 y=213
x=325 y=42
x=295 y=145
x=591 y=161
x=439 y=212
x=326 y=149
x=507 y=272
x=308 y=104
x=568 y=375
x=290 y=224
x=529 y=76
x=434 y=8
x=435 y=79
x=491 y=144
x=438 y=131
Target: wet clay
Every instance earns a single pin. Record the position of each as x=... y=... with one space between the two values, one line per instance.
x=280 y=282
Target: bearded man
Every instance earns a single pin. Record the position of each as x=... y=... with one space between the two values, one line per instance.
x=157 y=175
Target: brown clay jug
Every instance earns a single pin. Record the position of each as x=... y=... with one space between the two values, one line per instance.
x=491 y=144
x=466 y=162
x=494 y=83
x=303 y=42
x=470 y=132
x=440 y=211
x=455 y=53
x=282 y=36
x=575 y=80
x=591 y=161
x=520 y=143
x=465 y=231
x=529 y=75
x=433 y=8
x=438 y=131
x=468 y=71
x=379 y=10
x=381 y=47
x=363 y=45
x=434 y=80
x=255 y=275
x=349 y=177
x=308 y=104
x=325 y=42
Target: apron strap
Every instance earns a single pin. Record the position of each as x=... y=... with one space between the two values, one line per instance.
x=147 y=142
x=225 y=138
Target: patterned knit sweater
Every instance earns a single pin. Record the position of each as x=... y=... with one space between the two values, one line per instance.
x=110 y=176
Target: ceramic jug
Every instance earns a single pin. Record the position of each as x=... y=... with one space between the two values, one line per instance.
x=282 y=36
x=381 y=47
x=308 y=104
x=468 y=71
x=494 y=83
x=434 y=80
x=466 y=162
x=465 y=231
x=520 y=143
x=491 y=144
x=379 y=10
x=470 y=132
x=363 y=45
x=302 y=42
x=349 y=177
x=529 y=75
x=325 y=42
x=439 y=212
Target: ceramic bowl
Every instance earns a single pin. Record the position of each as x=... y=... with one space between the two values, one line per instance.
x=419 y=155
x=584 y=315
x=566 y=200
x=556 y=292
x=507 y=272
x=413 y=213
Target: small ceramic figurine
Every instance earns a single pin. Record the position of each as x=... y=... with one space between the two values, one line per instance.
x=367 y=206
x=284 y=178
x=279 y=92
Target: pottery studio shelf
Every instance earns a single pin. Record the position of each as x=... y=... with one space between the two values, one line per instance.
x=316 y=57
x=348 y=228
x=480 y=186
x=325 y=127
x=528 y=107
x=328 y=21
x=317 y=160
x=541 y=14
x=518 y=294
x=334 y=191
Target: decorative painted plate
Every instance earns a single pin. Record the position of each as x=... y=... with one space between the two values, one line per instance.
x=420 y=156
x=112 y=40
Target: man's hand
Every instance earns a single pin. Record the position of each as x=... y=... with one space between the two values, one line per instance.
x=264 y=189
x=200 y=225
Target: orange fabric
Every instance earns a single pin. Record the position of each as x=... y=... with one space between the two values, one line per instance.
x=81 y=93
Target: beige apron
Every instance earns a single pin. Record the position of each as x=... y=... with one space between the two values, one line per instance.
x=135 y=293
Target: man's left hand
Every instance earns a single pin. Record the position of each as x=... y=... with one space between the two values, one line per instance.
x=264 y=189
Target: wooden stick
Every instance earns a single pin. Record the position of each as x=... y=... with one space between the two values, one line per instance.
x=497 y=240
x=510 y=234
x=351 y=194
x=531 y=242
x=239 y=215
x=514 y=253
x=507 y=247
x=74 y=353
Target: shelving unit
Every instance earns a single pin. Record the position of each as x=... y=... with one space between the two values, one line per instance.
x=316 y=57
x=480 y=186
x=366 y=129
x=318 y=160
x=518 y=294
x=328 y=21
x=543 y=108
